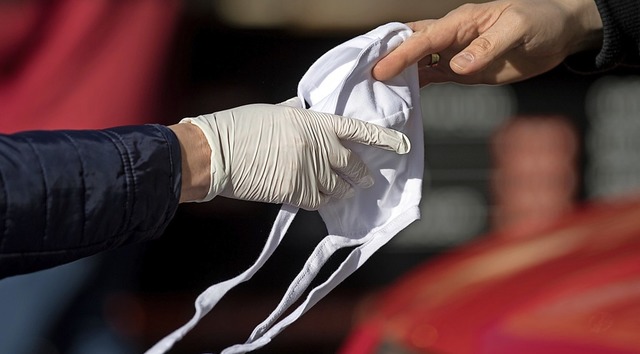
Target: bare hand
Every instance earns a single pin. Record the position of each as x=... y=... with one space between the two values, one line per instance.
x=496 y=42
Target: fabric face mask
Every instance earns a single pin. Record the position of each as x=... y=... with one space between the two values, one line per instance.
x=340 y=82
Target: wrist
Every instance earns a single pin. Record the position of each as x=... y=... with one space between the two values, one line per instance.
x=196 y=162
x=589 y=22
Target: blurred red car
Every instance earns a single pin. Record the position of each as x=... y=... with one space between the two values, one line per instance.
x=573 y=287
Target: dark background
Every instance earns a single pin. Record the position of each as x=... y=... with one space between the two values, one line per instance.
x=217 y=67
x=218 y=61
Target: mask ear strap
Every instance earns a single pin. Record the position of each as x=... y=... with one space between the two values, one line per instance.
x=356 y=258
x=348 y=266
x=322 y=252
x=210 y=297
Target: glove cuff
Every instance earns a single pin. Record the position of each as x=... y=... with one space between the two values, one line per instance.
x=219 y=173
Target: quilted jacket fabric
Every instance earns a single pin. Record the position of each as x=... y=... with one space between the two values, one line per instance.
x=65 y=195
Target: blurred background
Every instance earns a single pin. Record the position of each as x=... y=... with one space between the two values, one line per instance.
x=502 y=163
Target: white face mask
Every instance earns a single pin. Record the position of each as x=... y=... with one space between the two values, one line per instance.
x=340 y=82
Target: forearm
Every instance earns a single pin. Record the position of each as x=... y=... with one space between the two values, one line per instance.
x=69 y=194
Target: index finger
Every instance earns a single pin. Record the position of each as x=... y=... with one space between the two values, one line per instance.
x=370 y=134
x=429 y=36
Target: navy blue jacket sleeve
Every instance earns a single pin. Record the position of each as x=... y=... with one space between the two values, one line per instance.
x=65 y=195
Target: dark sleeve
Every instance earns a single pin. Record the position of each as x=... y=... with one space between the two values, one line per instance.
x=65 y=195
x=621 y=42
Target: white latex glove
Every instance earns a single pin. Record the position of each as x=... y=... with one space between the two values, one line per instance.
x=284 y=154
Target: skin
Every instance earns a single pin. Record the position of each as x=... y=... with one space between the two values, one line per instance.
x=196 y=161
x=320 y=168
x=497 y=42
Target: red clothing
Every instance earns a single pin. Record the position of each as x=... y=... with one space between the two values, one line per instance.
x=573 y=288
x=82 y=64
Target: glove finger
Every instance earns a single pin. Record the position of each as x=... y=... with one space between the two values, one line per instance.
x=349 y=165
x=308 y=199
x=294 y=102
x=370 y=134
x=317 y=203
x=334 y=186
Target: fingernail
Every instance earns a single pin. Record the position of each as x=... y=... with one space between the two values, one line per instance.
x=367 y=182
x=462 y=60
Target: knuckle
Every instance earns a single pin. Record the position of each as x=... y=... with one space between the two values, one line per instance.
x=425 y=37
x=465 y=8
x=520 y=17
x=483 y=45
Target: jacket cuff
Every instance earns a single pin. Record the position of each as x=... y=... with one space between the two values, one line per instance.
x=621 y=39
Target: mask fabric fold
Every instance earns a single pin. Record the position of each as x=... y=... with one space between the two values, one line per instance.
x=340 y=82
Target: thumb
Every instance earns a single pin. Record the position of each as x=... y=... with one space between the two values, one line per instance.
x=485 y=49
x=361 y=132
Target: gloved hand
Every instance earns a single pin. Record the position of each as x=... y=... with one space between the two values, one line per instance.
x=284 y=154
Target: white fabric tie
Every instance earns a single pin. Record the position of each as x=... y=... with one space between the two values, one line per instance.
x=340 y=82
